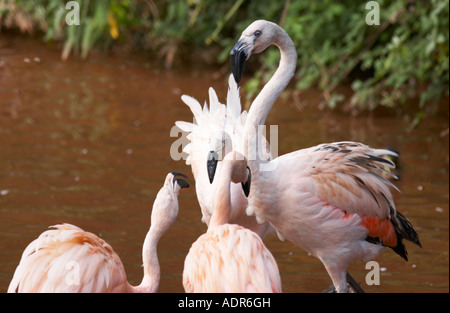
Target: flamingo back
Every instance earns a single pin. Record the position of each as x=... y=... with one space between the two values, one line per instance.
x=230 y=258
x=67 y=259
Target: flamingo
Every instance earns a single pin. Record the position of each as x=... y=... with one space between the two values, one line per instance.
x=216 y=131
x=331 y=199
x=66 y=258
x=229 y=257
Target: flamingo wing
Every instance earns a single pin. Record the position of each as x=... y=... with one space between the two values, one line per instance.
x=349 y=176
x=346 y=175
x=206 y=122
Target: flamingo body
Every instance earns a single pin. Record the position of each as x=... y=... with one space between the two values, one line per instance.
x=336 y=205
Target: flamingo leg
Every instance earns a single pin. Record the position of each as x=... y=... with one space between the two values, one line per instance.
x=351 y=282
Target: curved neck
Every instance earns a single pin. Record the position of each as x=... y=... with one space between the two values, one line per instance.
x=263 y=102
x=222 y=198
x=150 y=282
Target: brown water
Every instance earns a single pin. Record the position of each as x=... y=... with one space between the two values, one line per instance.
x=87 y=143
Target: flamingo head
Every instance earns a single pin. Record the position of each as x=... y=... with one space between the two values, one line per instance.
x=165 y=206
x=220 y=144
x=240 y=171
x=256 y=38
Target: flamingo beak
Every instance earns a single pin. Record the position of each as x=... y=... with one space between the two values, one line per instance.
x=247 y=184
x=181 y=182
x=211 y=165
x=238 y=56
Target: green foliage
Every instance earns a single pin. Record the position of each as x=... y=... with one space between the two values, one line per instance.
x=404 y=57
x=49 y=16
x=410 y=56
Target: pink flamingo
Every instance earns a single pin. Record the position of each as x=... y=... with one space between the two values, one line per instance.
x=331 y=199
x=66 y=258
x=229 y=257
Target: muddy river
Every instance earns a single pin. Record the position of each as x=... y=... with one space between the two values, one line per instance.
x=87 y=143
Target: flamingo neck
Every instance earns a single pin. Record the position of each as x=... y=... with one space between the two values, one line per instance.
x=152 y=271
x=264 y=101
x=222 y=198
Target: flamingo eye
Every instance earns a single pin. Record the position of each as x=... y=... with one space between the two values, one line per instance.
x=257 y=33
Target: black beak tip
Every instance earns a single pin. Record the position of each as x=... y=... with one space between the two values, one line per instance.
x=246 y=190
x=237 y=61
x=237 y=76
x=211 y=165
x=246 y=185
x=180 y=181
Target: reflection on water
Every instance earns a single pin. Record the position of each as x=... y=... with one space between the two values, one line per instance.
x=87 y=142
